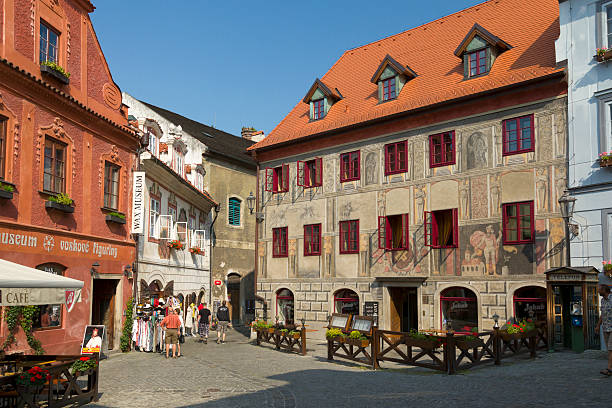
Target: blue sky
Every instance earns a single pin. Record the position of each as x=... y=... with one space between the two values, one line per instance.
x=242 y=63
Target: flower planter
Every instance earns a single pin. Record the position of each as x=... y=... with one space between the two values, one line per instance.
x=340 y=339
x=115 y=219
x=465 y=344
x=605 y=57
x=59 y=207
x=296 y=335
x=358 y=342
x=271 y=330
x=82 y=373
x=422 y=343
x=47 y=70
x=605 y=163
x=7 y=195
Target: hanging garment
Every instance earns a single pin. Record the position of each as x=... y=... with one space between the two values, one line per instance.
x=189 y=318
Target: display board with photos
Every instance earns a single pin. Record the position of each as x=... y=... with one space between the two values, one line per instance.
x=93 y=337
x=340 y=321
x=362 y=324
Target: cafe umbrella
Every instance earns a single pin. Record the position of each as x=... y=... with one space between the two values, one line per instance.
x=23 y=286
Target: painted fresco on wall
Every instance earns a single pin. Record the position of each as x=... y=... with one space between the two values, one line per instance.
x=476 y=152
x=483 y=254
x=371 y=168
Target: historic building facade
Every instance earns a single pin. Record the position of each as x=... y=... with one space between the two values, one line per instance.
x=420 y=183
x=216 y=163
x=63 y=132
x=585 y=27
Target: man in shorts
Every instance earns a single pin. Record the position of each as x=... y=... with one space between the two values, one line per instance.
x=204 y=317
x=224 y=321
x=605 y=324
x=172 y=324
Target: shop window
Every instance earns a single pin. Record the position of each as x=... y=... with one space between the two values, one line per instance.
x=518 y=135
x=312 y=239
x=518 y=223
x=49 y=40
x=349 y=237
x=350 y=166
x=478 y=62
x=388 y=89
x=234 y=211
x=393 y=232
x=530 y=303
x=310 y=173
x=441 y=228
x=2 y=148
x=459 y=309
x=277 y=179
x=346 y=302
x=154 y=212
x=396 y=158
x=318 y=109
x=49 y=316
x=279 y=242
x=111 y=186
x=442 y=149
x=285 y=306
x=54 y=171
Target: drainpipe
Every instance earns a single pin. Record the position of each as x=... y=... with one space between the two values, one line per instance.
x=210 y=254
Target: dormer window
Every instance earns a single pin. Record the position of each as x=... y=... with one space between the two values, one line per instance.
x=320 y=98
x=318 y=109
x=478 y=50
x=178 y=162
x=388 y=89
x=391 y=76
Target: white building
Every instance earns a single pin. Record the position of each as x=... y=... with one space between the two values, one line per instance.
x=586 y=25
x=178 y=211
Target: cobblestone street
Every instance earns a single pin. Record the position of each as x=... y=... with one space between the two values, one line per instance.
x=240 y=374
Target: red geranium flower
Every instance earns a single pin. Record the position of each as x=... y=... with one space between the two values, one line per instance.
x=32 y=379
x=84 y=358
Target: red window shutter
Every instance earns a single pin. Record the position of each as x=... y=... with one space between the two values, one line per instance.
x=504 y=137
x=318 y=172
x=455 y=228
x=382 y=236
x=285 y=170
x=301 y=173
x=427 y=228
x=357 y=170
x=388 y=159
x=406 y=232
x=306 y=240
x=269 y=184
x=431 y=152
x=405 y=167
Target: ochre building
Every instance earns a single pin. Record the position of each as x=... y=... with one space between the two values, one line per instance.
x=62 y=131
x=418 y=179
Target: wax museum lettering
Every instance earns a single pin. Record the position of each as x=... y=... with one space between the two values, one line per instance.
x=18 y=239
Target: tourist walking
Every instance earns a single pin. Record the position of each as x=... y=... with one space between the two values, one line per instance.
x=171 y=324
x=181 y=332
x=223 y=318
x=204 y=317
x=189 y=321
x=605 y=324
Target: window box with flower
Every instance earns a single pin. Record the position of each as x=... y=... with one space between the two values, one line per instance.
x=116 y=217
x=603 y=54
x=60 y=202
x=605 y=159
x=355 y=338
x=518 y=330
x=422 y=340
x=175 y=244
x=196 y=251
x=6 y=191
x=607 y=268
x=84 y=366
x=54 y=70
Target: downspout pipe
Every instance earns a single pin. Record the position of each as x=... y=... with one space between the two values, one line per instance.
x=210 y=254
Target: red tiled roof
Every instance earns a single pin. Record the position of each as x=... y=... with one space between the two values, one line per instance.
x=530 y=27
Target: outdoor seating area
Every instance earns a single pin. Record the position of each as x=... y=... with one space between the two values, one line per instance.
x=48 y=380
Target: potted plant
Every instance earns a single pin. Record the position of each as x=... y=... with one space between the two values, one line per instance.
x=56 y=71
x=469 y=341
x=605 y=159
x=334 y=335
x=60 y=202
x=296 y=334
x=31 y=381
x=603 y=54
x=6 y=191
x=422 y=340
x=284 y=332
x=175 y=244
x=196 y=251
x=83 y=366
x=115 y=217
x=607 y=268
x=357 y=339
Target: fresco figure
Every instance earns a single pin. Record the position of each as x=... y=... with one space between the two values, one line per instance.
x=487 y=244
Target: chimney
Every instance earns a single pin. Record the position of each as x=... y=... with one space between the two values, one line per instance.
x=252 y=134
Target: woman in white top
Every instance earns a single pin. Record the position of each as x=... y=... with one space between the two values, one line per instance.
x=181 y=329
x=189 y=321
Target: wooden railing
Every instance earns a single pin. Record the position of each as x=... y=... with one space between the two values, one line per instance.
x=62 y=389
x=361 y=351
x=399 y=347
x=295 y=343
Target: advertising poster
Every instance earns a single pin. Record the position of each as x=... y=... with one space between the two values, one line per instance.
x=92 y=339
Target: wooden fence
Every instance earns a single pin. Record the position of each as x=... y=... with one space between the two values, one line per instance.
x=283 y=340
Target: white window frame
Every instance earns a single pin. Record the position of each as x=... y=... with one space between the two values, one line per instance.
x=184 y=235
x=198 y=239
x=604 y=12
x=166 y=227
x=153 y=143
x=607 y=127
x=154 y=217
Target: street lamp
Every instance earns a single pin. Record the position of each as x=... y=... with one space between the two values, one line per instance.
x=496 y=321
x=566 y=205
x=251 y=202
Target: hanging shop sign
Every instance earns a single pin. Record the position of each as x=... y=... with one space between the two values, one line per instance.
x=138 y=202
x=52 y=244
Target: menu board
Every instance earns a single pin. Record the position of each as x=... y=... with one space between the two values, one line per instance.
x=371 y=309
x=339 y=321
x=362 y=323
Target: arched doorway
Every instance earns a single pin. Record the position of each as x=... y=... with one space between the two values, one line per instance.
x=529 y=302
x=201 y=297
x=233 y=296
x=458 y=309
x=284 y=306
x=346 y=301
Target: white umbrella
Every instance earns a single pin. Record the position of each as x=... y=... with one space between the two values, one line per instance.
x=24 y=286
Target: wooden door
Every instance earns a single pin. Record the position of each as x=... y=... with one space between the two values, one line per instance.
x=103 y=307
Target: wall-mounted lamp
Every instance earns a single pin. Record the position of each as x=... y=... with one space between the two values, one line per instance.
x=127 y=271
x=496 y=321
x=93 y=267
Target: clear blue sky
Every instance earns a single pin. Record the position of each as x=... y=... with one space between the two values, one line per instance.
x=242 y=63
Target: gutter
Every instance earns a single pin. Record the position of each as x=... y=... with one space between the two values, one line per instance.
x=210 y=254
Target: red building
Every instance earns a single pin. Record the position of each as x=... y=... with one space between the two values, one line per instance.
x=63 y=132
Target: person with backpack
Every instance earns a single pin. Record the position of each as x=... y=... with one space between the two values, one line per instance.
x=223 y=317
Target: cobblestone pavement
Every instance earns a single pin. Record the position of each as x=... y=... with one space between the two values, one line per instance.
x=240 y=374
